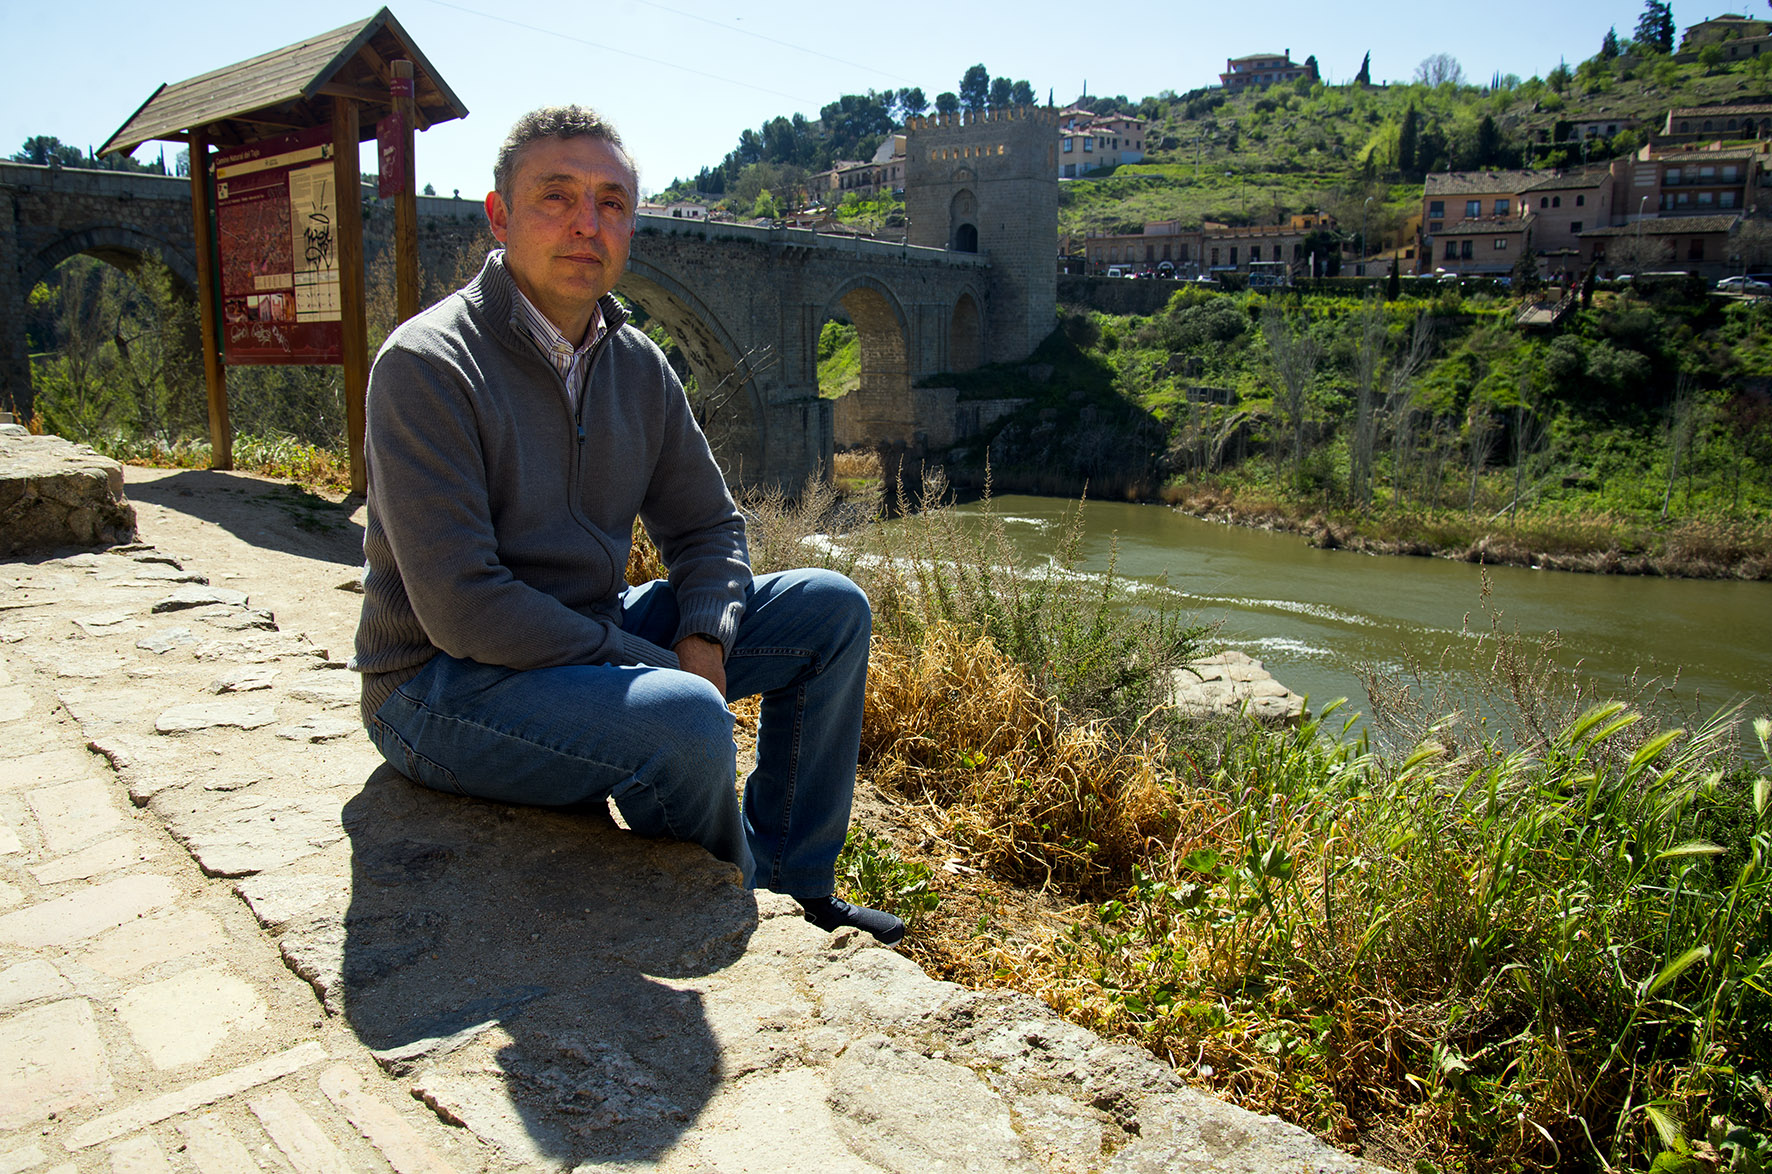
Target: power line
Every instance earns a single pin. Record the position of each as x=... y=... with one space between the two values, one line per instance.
x=607 y=48
x=724 y=27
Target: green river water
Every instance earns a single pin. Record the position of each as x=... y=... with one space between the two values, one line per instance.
x=1311 y=616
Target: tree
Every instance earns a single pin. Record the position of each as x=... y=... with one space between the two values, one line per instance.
x=1393 y=285
x=1655 y=28
x=947 y=102
x=1527 y=278
x=912 y=101
x=1293 y=354
x=1609 y=45
x=1021 y=93
x=1559 y=78
x=1001 y=87
x=1440 y=69
x=1711 y=57
x=1407 y=139
x=1310 y=68
x=1488 y=148
x=46 y=149
x=975 y=88
x=1364 y=77
x=430 y=189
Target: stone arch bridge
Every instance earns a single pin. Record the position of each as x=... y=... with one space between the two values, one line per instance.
x=744 y=303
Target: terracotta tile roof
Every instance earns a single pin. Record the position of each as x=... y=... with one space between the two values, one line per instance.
x=1669 y=226
x=1480 y=183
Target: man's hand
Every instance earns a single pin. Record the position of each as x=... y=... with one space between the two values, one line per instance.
x=703 y=658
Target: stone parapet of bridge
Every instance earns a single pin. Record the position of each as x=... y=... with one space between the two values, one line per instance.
x=744 y=303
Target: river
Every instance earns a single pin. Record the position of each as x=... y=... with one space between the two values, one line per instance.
x=1311 y=616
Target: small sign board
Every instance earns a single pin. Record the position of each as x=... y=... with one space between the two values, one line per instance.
x=390 y=151
x=276 y=209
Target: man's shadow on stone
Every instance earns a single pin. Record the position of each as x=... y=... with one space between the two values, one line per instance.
x=288 y=518
x=513 y=966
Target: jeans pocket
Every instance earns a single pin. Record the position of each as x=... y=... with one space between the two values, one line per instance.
x=402 y=757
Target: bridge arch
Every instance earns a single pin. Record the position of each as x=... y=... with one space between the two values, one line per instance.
x=882 y=405
x=729 y=399
x=114 y=244
x=965 y=333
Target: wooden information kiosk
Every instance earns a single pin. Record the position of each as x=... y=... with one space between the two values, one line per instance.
x=277 y=208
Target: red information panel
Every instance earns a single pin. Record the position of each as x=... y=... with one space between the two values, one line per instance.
x=390 y=150
x=276 y=208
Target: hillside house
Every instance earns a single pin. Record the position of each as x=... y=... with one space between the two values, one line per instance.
x=1262 y=69
x=1693 y=244
x=1087 y=140
x=1735 y=120
x=1740 y=37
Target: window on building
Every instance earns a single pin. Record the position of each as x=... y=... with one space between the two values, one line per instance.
x=1502 y=206
x=1150 y=252
x=1706 y=198
x=1254 y=253
x=1436 y=208
x=1729 y=173
x=1695 y=249
x=1580 y=201
x=1214 y=262
x=1233 y=256
x=1473 y=209
x=1451 y=250
x=1067 y=146
x=1544 y=201
x=1501 y=242
x=1465 y=251
x=1673 y=175
x=1088 y=142
x=1556 y=201
x=1726 y=200
x=1684 y=126
x=1575 y=226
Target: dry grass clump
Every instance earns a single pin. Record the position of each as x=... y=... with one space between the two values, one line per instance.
x=1030 y=796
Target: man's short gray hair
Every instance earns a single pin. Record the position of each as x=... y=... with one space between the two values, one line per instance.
x=553 y=122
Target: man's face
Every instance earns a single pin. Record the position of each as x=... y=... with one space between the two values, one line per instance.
x=567 y=226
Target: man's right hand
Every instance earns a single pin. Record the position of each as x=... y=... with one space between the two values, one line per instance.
x=704 y=658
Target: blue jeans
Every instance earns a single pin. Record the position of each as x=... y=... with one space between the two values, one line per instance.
x=659 y=741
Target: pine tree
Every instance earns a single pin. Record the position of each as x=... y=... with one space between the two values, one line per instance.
x=1609 y=45
x=1364 y=77
x=1407 y=140
x=1655 y=28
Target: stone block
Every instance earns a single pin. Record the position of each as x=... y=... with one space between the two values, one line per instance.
x=185 y=1018
x=51 y=1061
x=55 y=494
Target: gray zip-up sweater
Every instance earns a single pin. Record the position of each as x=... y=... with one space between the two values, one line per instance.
x=499 y=525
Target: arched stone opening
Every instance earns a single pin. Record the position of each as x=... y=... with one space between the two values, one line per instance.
x=965 y=335
x=726 y=397
x=963 y=222
x=125 y=250
x=881 y=409
x=122 y=247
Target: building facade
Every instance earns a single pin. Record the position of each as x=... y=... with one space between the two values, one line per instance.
x=1262 y=69
x=1087 y=140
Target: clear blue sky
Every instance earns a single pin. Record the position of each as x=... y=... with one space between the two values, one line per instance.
x=682 y=78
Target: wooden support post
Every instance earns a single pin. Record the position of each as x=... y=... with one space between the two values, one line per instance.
x=215 y=375
x=406 y=200
x=354 y=328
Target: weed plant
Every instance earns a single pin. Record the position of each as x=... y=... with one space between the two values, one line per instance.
x=1539 y=943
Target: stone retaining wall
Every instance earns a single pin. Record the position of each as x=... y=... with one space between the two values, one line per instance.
x=57 y=494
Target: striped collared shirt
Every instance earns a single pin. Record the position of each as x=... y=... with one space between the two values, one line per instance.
x=571 y=362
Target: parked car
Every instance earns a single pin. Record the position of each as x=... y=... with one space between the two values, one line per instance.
x=1740 y=283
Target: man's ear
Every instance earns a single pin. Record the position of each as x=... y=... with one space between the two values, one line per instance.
x=497 y=215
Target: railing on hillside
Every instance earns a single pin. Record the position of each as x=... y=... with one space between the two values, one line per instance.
x=1543 y=315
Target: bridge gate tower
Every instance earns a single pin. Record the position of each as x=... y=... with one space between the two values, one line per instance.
x=987 y=182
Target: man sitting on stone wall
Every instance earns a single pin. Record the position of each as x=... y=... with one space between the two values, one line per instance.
x=515 y=431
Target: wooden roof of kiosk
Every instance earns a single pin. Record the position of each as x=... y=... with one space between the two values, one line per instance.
x=327 y=80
